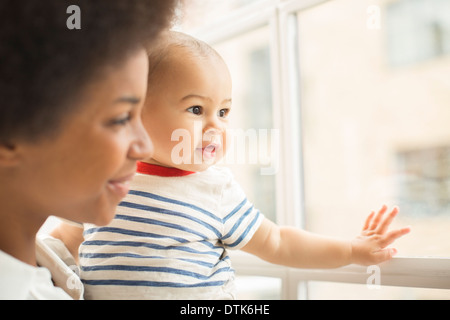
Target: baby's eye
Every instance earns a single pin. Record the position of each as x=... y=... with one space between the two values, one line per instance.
x=223 y=113
x=195 y=110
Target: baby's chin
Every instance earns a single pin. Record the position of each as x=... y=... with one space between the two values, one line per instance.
x=198 y=167
x=198 y=162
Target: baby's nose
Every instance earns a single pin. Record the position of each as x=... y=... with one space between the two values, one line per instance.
x=213 y=135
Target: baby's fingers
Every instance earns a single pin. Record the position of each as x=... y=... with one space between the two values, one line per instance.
x=377 y=218
x=368 y=220
x=391 y=236
x=382 y=228
x=384 y=255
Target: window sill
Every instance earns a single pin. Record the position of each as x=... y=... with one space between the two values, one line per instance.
x=421 y=272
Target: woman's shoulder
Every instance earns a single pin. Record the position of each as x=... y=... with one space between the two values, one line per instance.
x=20 y=281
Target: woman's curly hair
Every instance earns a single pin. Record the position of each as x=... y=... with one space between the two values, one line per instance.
x=44 y=65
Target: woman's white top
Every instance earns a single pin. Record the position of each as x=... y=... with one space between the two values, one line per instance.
x=21 y=281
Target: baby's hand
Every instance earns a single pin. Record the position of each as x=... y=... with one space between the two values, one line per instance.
x=370 y=247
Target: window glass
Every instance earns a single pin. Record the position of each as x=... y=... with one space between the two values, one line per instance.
x=347 y=291
x=418 y=30
x=258 y=288
x=375 y=97
x=252 y=156
x=195 y=14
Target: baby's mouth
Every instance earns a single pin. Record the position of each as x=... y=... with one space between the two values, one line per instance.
x=209 y=152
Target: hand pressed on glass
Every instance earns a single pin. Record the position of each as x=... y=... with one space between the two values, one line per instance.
x=370 y=247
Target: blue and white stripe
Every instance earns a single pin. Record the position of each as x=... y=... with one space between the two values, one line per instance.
x=169 y=239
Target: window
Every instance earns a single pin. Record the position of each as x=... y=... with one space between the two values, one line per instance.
x=258 y=288
x=359 y=93
x=196 y=14
x=417 y=30
x=372 y=133
x=345 y=291
x=248 y=58
x=423 y=183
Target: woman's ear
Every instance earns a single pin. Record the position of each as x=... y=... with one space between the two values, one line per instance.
x=9 y=154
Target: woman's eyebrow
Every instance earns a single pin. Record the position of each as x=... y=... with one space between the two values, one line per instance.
x=128 y=99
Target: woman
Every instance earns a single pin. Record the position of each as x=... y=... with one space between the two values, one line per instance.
x=70 y=130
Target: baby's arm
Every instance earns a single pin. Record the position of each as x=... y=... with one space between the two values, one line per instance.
x=301 y=249
x=71 y=235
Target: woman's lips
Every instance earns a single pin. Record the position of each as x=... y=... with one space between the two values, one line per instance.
x=121 y=186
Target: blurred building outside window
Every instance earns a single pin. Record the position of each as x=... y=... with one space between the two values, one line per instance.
x=374 y=97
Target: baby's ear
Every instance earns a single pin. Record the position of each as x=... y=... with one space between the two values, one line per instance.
x=9 y=154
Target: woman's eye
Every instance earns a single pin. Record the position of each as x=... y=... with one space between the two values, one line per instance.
x=195 y=110
x=122 y=120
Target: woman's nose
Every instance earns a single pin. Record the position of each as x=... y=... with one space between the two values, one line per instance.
x=142 y=146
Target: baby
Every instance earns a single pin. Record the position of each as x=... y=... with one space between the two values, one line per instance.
x=170 y=236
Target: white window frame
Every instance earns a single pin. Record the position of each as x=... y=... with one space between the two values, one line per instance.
x=280 y=16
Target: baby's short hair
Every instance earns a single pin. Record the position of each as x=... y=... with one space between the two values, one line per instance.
x=173 y=40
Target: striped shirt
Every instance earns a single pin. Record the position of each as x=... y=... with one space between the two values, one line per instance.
x=169 y=238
